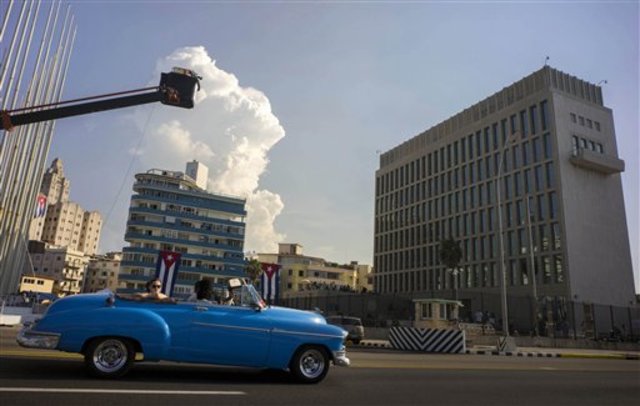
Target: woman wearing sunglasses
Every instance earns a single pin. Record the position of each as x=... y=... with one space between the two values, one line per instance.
x=154 y=287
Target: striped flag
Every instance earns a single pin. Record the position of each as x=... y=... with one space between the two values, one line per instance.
x=41 y=205
x=167 y=270
x=270 y=282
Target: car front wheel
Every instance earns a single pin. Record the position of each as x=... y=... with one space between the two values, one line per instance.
x=109 y=357
x=310 y=364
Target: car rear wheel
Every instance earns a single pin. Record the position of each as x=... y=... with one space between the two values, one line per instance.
x=109 y=357
x=310 y=364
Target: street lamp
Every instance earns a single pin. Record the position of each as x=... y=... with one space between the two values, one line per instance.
x=505 y=312
x=533 y=269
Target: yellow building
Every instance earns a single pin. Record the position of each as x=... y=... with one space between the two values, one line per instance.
x=300 y=273
x=39 y=284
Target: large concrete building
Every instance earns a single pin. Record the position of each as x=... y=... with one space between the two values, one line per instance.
x=55 y=188
x=66 y=224
x=169 y=212
x=544 y=145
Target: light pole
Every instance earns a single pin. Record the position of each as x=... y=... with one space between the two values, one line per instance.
x=503 y=273
x=533 y=270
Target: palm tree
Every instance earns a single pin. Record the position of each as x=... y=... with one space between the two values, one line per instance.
x=253 y=269
x=450 y=256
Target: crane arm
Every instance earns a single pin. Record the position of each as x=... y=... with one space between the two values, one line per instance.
x=177 y=88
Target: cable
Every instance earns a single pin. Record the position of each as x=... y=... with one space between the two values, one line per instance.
x=133 y=157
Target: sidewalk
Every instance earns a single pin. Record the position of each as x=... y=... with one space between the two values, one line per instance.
x=526 y=351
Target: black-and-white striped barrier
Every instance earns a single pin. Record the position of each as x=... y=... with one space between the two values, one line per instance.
x=427 y=340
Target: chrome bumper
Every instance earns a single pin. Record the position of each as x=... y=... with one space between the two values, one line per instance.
x=37 y=339
x=340 y=358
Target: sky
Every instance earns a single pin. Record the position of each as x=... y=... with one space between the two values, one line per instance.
x=300 y=98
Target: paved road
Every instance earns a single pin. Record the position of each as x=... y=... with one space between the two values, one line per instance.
x=378 y=377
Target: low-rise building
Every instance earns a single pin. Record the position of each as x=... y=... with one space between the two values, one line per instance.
x=302 y=273
x=102 y=272
x=62 y=264
x=38 y=284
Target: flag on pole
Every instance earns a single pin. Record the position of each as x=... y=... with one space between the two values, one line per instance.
x=41 y=205
x=270 y=282
x=167 y=270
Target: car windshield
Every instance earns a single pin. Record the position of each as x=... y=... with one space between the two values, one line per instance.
x=249 y=296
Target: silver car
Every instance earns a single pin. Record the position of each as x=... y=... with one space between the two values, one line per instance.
x=353 y=326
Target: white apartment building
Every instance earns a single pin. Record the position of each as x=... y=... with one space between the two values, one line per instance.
x=67 y=224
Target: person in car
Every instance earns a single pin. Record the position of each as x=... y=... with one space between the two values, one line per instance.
x=154 y=290
x=202 y=292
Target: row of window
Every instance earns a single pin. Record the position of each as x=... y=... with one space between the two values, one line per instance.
x=548 y=269
x=585 y=122
x=579 y=143
x=516 y=187
x=396 y=253
x=208 y=227
x=467 y=175
x=469 y=148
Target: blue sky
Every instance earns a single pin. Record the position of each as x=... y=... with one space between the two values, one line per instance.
x=343 y=80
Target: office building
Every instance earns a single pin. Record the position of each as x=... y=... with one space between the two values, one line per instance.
x=532 y=169
x=170 y=212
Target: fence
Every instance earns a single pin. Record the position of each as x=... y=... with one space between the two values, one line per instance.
x=549 y=317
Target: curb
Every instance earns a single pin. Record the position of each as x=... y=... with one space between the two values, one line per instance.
x=634 y=357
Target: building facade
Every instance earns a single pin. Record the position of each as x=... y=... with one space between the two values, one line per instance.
x=65 y=223
x=169 y=212
x=62 y=264
x=55 y=188
x=302 y=273
x=102 y=273
x=527 y=179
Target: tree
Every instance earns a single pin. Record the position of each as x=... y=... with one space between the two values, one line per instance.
x=253 y=269
x=450 y=256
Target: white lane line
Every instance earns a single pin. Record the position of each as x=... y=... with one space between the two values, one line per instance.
x=116 y=391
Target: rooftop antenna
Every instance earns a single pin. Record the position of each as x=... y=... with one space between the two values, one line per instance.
x=546 y=59
x=602 y=81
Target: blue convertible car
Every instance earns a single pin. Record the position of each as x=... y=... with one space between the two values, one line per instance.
x=110 y=329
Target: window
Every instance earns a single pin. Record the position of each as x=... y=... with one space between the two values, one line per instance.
x=596 y=125
x=523 y=123
x=427 y=311
x=544 y=115
x=573 y=118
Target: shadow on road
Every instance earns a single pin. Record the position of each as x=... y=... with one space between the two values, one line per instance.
x=163 y=373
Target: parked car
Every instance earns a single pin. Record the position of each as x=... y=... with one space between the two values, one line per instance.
x=110 y=329
x=352 y=325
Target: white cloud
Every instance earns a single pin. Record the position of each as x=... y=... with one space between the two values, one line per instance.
x=231 y=130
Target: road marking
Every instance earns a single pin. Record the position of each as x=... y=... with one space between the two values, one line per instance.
x=117 y=391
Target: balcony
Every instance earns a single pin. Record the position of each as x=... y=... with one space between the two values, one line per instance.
x=595 y=161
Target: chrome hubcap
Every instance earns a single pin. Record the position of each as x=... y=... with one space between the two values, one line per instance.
x=312 y=363
x=110 y=356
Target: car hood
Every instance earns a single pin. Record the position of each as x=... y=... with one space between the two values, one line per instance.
x=301 y=320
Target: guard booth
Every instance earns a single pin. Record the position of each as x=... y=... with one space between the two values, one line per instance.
x=435 y=328
x=436 y=313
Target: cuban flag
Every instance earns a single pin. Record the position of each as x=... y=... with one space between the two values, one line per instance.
x=167 y=270
x=270 y=282
x=41 y=205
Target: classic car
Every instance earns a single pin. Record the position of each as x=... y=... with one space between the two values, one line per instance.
x=109 y=330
